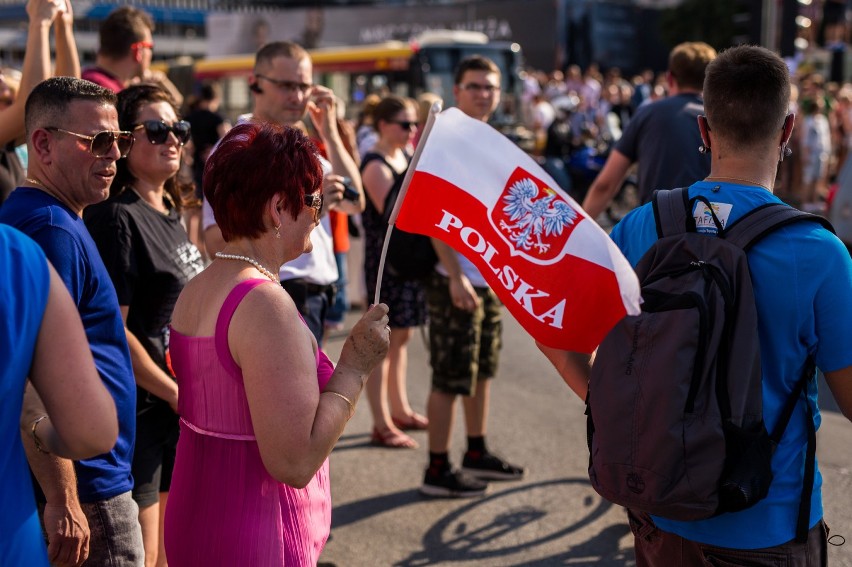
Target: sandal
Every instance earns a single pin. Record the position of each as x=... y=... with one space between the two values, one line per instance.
x=413 y=422
x=392 y=439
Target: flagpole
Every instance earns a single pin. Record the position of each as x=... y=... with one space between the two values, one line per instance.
x=433 y=112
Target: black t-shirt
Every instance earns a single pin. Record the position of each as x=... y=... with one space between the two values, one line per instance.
x=663 y=137
x=149 y=259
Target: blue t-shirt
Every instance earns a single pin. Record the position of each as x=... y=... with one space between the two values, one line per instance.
x=24 y=285
x=802 y=277
x=66 y=243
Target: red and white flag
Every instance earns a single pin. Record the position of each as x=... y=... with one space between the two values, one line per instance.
x=553 y=267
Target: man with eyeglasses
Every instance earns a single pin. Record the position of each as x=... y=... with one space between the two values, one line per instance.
x=284 y=94
x=126 y=47
x=465 y=328
x=73 y=143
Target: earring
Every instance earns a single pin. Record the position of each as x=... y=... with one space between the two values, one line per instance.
x=277 y=233
x=785 y=151
x=702 y=149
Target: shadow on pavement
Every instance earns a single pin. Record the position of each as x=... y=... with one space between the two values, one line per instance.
x=599 y=551
x=473 y=533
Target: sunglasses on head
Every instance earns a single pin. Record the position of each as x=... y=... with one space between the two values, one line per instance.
x=100 y=144
x=158 y=131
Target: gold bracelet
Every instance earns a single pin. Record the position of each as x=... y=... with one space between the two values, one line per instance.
x=345 y=399
x=36 y=440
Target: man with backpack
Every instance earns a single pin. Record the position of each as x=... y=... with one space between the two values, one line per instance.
x=762 y=505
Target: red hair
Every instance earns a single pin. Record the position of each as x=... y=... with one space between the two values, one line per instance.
x=252 y=164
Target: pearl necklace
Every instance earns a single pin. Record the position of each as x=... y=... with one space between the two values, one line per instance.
x=251 y=261
x=740 y=179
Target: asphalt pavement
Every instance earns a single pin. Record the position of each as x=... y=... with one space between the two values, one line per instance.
x=551 y=517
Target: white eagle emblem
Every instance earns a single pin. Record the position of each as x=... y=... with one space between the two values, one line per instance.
x=529 y=217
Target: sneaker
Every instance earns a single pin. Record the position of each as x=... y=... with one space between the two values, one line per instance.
x=488 y=466
x=451 y=484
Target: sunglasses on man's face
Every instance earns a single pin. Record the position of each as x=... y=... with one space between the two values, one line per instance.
x=100 y=144
x=158 y=131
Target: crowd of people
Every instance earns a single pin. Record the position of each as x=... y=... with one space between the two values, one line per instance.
x=582 y=109
x=186 y=434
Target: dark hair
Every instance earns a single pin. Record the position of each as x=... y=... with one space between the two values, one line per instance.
x=252 y=163
x=276 y=49
x=389 y=107
x=475 y=63
x=123 y=27
x=747 y=94
x=129 y=105
x=209 y=92
x=48 y=102
x=688 y=61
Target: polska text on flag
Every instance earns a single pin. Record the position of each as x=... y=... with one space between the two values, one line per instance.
x=555 y=269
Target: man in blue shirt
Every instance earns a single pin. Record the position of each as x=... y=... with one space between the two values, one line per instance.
x=73 y=144
x=802 y=277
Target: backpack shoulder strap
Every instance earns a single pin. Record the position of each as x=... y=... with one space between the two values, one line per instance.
x=670 y=206
x=673 y=212
x=762 y=221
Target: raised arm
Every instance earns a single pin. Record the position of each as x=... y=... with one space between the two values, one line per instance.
x=67 y=59
x=36 y=66
x=323 y=110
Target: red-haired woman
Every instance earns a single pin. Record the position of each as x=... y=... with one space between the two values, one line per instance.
x=261 y=405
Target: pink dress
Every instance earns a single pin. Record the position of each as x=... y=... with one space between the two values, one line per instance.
x=224 y=508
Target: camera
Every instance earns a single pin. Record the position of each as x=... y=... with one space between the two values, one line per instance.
x=349 y=192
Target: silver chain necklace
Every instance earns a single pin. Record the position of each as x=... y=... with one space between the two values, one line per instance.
x=251 y=261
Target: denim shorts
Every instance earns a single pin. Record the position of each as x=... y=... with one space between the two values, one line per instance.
x=464 y=346
x=654 y=548
x=115 y=535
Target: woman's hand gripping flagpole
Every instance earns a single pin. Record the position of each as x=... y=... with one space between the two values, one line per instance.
x=433 y=112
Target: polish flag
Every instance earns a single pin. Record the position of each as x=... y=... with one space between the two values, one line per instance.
x=554 y=268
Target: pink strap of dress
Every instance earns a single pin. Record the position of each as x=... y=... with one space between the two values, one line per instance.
x=224 y=321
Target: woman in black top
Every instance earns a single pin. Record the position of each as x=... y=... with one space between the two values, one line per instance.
x=149 y=257
x=382 y=170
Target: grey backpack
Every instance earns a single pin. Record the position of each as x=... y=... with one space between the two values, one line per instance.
x=675 y=408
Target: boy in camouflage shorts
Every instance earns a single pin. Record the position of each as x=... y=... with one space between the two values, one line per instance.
x=464 y=332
